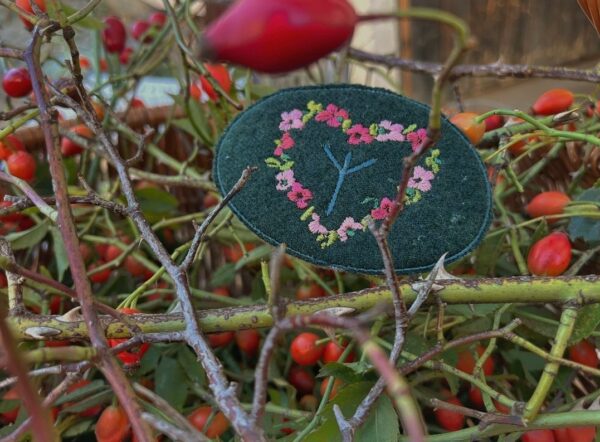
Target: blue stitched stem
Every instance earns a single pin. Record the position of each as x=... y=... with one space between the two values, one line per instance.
x=342 y=173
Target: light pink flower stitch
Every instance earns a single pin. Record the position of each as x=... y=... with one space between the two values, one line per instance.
x=384 y=209
x=285 y=180
x=291 y=120
x=347 y=228
x=315 y=225
x=287 y=142
x=359 y=134
x=421 y=179
x=394 y=131
x=417 y=138
x=333 y=115
x=299 y=195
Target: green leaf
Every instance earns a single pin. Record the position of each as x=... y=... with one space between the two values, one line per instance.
x=156 y=203
x=150 y=360
x=587 y=321
x=254 y=255
x=9 y=405
x=60 y=254
x=100 y=398
x=80 y=427
x=381 y=425
x=588 y=229
x=223 y=275
x=28 y=238
x=193 y=368
x=341 y=371
x=83 y=392
x=169 y=379
x=86 y=22
x=487 y=255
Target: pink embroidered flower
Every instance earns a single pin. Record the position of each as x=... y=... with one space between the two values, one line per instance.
x=347 y=228
x=384 y=209
x=285 y=180
x=299 y=195
x=333 y=115
x=421 y=179
x=315 y=225
x=359 y=134
x=291 y=120
x=394 y=131
x=287 y=142
x=417 y=138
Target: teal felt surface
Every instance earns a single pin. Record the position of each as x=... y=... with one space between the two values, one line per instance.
x=449 y=206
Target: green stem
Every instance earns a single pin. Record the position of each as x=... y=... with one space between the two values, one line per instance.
x=565 y=329
x=485 y=291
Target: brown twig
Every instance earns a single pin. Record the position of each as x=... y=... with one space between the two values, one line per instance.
x=202 y=230
x=108 y=363
x=499 y=70
x=40 y=415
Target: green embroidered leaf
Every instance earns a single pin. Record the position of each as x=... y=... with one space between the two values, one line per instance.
x=273 y=162
x=170 y=382
x=286 y=166
x=307 y=213
x=586 y=228
x=409 y=129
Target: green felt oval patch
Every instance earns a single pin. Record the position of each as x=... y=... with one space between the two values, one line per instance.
x=329 y=161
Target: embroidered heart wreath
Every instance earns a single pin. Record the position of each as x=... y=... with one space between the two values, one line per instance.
x=336 y=117
x=329 y=161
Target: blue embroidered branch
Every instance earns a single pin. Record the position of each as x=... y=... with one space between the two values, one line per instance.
x=343 y=171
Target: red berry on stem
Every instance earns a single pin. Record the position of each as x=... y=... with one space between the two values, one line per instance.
x=113 y=425
x=575 y=434
x=465 y=121
x=308 y=291
x=220 y=74
x=333 y=351
x=16 y=82
x=140 y=29
x=538 y=436
x=100 y=276
x=9 y=145
x=584 y=353
x=217 y=340
x=304 y=349
x=69 y=147
x=131 y=356
x=550 y=256
x=218 y=424
x=448 y=419
x=301 y=379
x=157 y=19
x=114 y=35
x=25 y=5
x=493 y=122
x=466 y=361
x=552 y=102
x=248 y=341
x=124 y=55
x=476 y=397
x=547 y=203
x=275 y=36
x=21 y=165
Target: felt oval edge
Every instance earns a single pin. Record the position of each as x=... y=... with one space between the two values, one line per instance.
x=402 y=271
